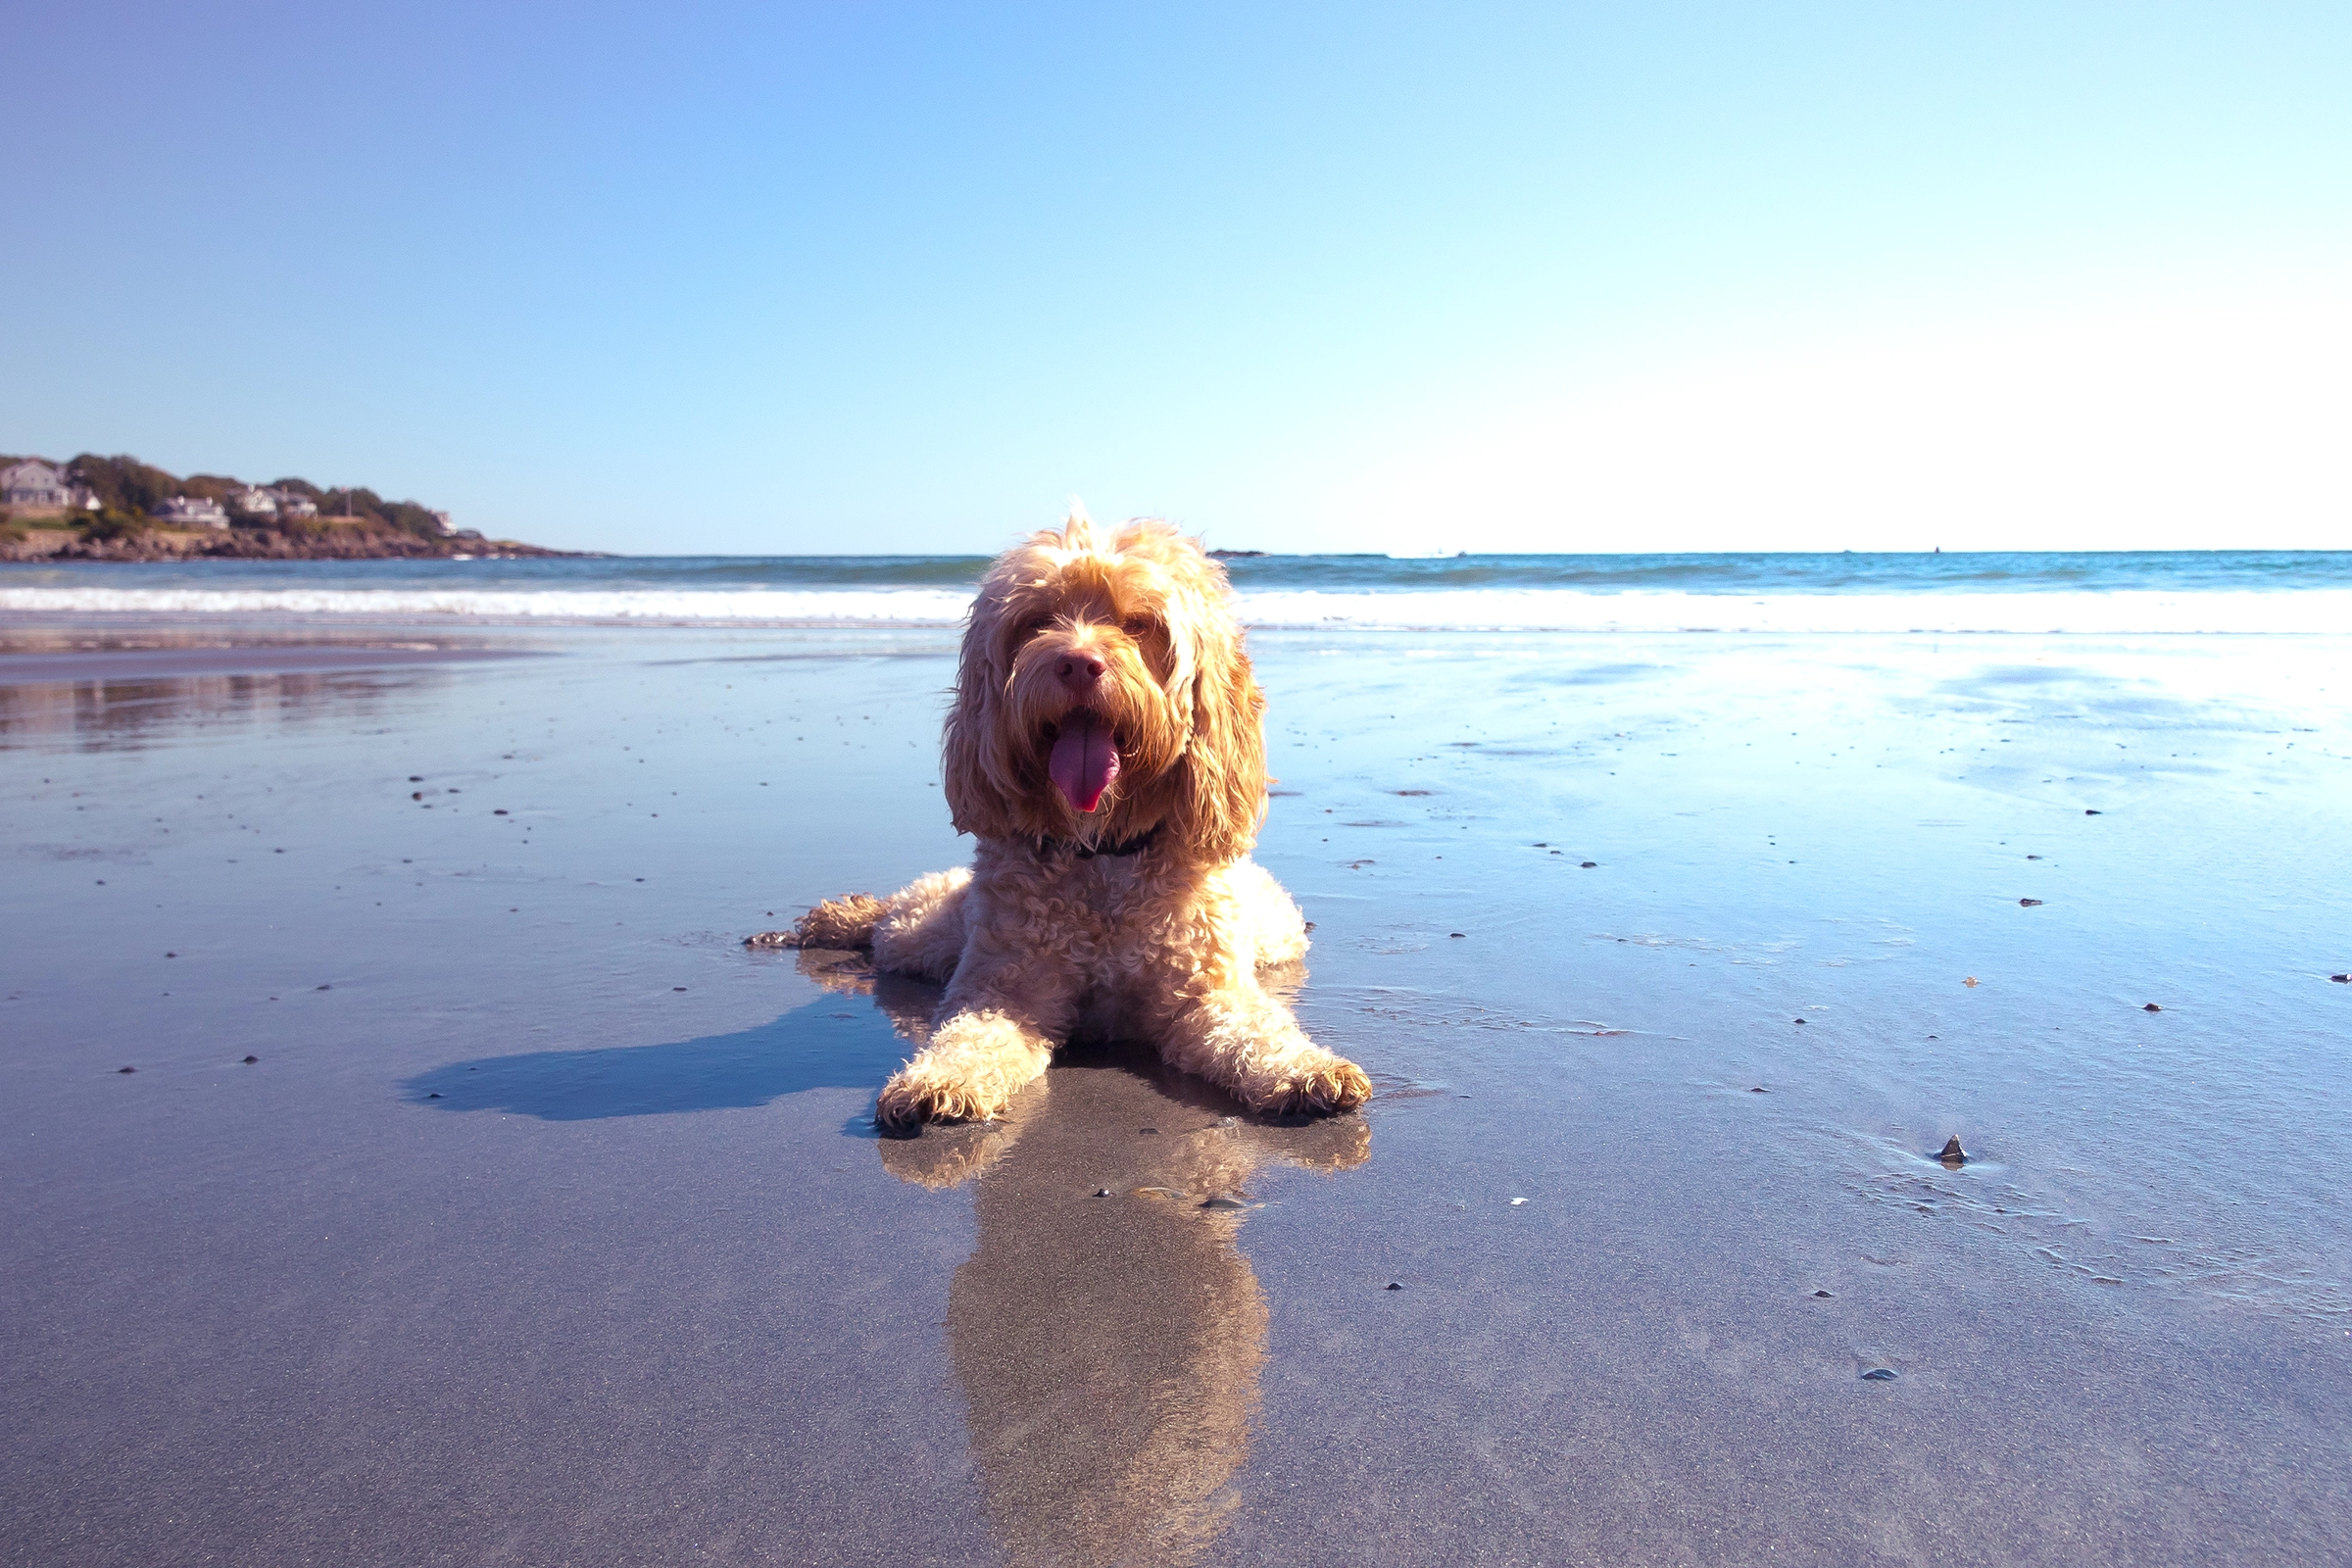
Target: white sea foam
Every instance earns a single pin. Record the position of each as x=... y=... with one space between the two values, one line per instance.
x=755 y=606
x=1638 y=611
x=2118 y=612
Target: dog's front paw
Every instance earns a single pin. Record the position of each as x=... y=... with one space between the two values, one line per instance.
x=845 y=923
x=916 y=1094
x=1321 y=1087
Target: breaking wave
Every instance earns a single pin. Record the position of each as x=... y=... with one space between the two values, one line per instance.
x=2315 y=610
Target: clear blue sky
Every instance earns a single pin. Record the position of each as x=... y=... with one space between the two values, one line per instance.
x=784 y=279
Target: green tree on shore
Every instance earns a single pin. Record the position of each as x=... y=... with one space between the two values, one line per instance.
x=125 y=485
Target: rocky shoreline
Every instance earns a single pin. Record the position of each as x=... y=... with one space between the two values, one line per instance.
x=262 y=544
x=97 y=507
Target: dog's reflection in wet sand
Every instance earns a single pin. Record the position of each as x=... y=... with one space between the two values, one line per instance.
x=1108 y=1346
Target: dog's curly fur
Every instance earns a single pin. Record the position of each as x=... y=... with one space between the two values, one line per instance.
x=1064 y=924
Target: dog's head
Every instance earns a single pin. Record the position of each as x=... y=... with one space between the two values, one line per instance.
x=1104 y=692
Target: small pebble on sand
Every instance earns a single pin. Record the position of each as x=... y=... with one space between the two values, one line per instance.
x=1879 y=1374
x=2028 y=902
x=1394 y=1286
x=250 y=1060
x=1952 y=1154
x=127 y=1069
x=2151 y=1007
x=1588 y=864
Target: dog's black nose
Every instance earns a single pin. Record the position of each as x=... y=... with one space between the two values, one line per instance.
x=1081 y=670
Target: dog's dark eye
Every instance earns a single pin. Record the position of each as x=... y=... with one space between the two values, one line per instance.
x=1139 y=626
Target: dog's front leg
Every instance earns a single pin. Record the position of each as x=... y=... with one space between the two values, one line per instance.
x=972 y=1067
x=1247 y=1043
x=996 y=1031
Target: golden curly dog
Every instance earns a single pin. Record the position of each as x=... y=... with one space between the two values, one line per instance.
x=1106 y=747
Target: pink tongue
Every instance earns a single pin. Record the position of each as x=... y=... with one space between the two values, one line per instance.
x=1084 y=760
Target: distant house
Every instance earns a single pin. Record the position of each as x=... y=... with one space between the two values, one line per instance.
x=35 y=483
x=448 y=529
x=292 y=503
x=191 y=511
x=254 y=502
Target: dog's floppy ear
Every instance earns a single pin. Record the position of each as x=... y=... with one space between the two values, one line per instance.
x=1224 y=795
x=968 y=767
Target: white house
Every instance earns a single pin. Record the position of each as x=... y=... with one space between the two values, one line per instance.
x=35 y=483
x=292 y=503
x=254 y=502
x=448 y=529
x=191 y=511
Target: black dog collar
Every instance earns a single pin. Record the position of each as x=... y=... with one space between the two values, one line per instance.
x=1119 y=851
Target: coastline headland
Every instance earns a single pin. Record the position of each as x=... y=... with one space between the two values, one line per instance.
x=119 y=509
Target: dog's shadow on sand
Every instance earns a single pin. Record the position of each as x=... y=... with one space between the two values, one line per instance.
x=1107 y=1330
x=827 y=1044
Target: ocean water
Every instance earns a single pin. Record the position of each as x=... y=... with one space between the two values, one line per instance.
x=2110 y=593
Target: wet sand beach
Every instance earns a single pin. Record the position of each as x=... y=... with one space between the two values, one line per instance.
x=546 y=1225
x=176 y=662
